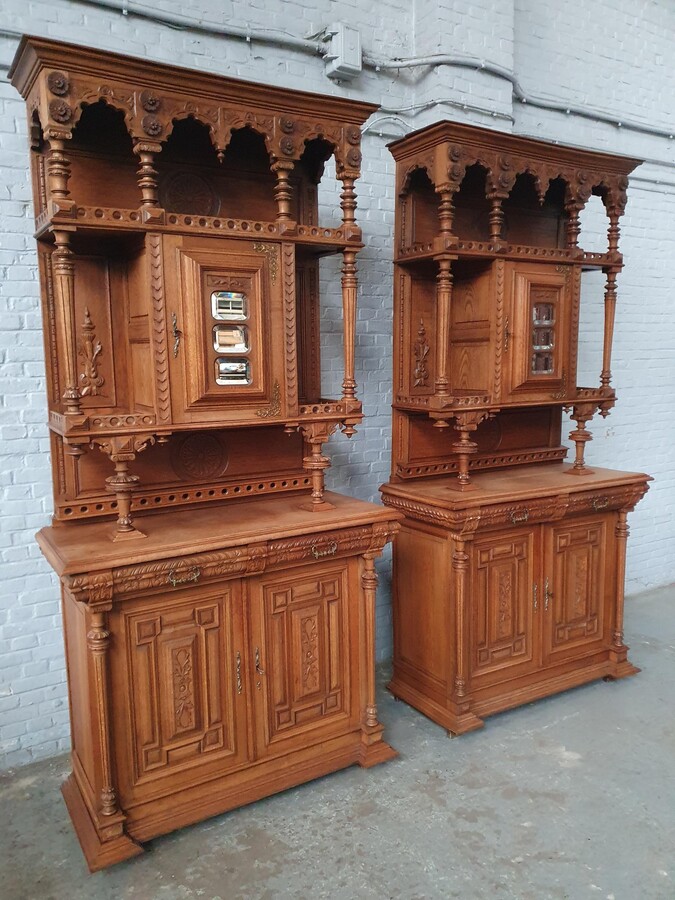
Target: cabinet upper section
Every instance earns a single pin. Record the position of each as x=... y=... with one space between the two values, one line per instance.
x=216 y=153
x=479 y=192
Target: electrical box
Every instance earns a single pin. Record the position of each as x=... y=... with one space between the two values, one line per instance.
x=344 y=51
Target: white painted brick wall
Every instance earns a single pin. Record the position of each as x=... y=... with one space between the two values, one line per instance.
x=562 y=51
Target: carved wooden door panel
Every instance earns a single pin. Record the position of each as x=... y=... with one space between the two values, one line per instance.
x=231 y=329
x=577 y=584
x=178 y=665
x=305 y=682
x=503 y=642
x=536 y=333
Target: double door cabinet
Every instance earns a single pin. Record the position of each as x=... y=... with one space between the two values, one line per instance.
x=516 y=597
x=207 y=673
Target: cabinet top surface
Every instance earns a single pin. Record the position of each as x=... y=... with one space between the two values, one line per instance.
x=35 y=54
x=510 y=486
x=89 y=545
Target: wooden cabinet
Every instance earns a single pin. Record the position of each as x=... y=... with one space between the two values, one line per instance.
x=218 y=605
x=509 y=570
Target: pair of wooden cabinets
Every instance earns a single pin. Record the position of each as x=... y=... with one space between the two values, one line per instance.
x=220 y=636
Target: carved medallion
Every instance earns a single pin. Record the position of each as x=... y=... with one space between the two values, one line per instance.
x=58 y=84
x=199 y=457
x=60 y=111
x=189 y=193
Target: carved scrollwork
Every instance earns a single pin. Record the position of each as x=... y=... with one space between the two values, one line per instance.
x=421 y=350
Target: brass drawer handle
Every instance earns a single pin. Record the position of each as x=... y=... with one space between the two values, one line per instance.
x=599 y=503
x=507 y=335
x=330 y=550
x=517 y=517
x=193 y=575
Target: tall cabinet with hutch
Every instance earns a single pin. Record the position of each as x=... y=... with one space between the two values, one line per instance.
x=509 y=568
x=218 y=604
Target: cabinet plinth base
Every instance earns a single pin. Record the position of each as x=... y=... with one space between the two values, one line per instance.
x=98 y=854
x=454 y=723
x=374 y=750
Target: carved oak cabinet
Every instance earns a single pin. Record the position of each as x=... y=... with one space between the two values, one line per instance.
x=509 y=568
x=218 y=605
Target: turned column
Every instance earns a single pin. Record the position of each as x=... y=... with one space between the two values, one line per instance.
x=621 y=531
x=460 y=568
x=348 y=202
x=369 y=584
x=63 y=270
x=58 y=175
x=283 y=192
x=465 y=424
x=443 y=299
x=316 y=434
x=349 y=289
x=573 y=229
x=581 y=414
x=496 y=216
x=608 y=338
x=446 y=210
x=98 y=644
x=122 y=450
x=147 y=174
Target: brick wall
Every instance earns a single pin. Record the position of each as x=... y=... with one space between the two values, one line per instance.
x=565 y=52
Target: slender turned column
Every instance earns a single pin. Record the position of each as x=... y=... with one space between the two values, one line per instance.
x=621 y=532
x=283 y=192
x=610 y=310
x=496 y=217
x=64 y=292
x=443 y=299
x=348 y=202
x=147 y=174
x=122 y=484
x=369 y=583
x=460 y=567
x=316 y=434
x=573 y=226
x=98 y=642
x=349 y=288
x=58 y=175
x=466 y=423
x=613 y=231
x=581 y=414
x=446 y=211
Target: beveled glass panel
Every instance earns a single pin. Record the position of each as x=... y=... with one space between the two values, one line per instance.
x=229 y=305
x=231 y=371
x=543 y=314
x=230 y=339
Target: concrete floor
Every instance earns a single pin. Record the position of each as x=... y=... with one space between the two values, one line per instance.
x=571 y=797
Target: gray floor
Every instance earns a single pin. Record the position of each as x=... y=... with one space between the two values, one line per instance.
x=571 y=797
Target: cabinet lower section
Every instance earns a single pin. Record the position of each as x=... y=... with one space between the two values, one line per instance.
x=499 y=604
x=202 y=681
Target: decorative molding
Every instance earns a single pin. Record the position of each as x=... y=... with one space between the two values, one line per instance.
x=271 y=251
x=161 y=353
x=290 y=328
x=500 y=270
x=275 y=404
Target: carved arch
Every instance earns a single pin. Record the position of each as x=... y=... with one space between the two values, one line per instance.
x=417 y=165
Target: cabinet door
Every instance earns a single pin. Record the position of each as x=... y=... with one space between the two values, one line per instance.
x=227 y=329
x=536 y=339
x=178 y=692
x=577 y=587
x=503 y=640
x=303 y=651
